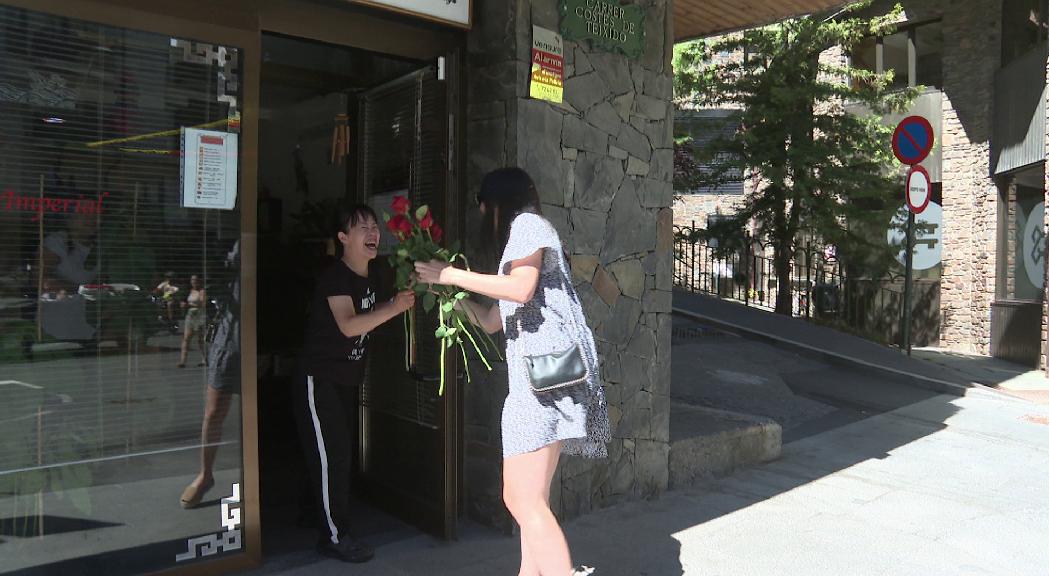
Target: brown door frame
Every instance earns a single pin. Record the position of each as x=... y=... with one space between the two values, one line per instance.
x=233 y=29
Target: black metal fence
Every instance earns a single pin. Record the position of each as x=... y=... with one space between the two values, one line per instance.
x=820 y=288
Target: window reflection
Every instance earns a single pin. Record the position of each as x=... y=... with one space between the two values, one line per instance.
x=100 y=430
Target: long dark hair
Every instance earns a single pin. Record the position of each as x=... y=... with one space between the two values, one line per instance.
x=505 y=193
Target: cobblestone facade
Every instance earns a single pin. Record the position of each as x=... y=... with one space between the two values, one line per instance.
x=603 y=163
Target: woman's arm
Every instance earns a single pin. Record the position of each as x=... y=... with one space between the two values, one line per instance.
x=352 y=324
x=487 y=319
x=517 y=286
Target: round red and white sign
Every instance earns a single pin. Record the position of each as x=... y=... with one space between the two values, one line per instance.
x=919 y=189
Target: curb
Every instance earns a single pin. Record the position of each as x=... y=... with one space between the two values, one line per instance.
x=926 y=382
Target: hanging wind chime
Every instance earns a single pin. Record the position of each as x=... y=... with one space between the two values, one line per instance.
x=340 y=139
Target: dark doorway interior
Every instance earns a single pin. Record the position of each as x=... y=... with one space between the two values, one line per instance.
x=308 y=91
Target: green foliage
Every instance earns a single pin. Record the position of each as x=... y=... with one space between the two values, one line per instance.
x=821 y=171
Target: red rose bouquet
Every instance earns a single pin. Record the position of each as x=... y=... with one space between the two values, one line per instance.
x=419 y=239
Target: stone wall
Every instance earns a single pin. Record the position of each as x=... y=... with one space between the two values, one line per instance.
x=602 y=162
x=971 y=31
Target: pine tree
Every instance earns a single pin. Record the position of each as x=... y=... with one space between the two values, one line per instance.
x=821 y=172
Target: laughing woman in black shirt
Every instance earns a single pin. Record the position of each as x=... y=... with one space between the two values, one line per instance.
x=342 y=313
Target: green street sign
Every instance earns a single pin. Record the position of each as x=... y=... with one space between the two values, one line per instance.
x=607 y=25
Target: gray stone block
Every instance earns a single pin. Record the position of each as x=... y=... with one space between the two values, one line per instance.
x=634 y=142
x=582 y=60
x=583 y=267
x=545 y=15
x=655 y=193
x=621 y=473
x=662 y=166
x=540 y=139
x=583 y=136
x=615 y=69
x=594 y=307
x=637 y=73
x=629 y=228
x=650 y=107
x=643 y=344
x=655 y=300
x=659 y=85
x=660 y=424
x=491 y=131
x=659 y=134
x=637 y=408
x=651 y=459
x=636 y=167
x=605 y=286
x=665 y=272
x=588 y=230
x=560 y=218
x=630 y=277
x=584 y=90
x=622 y=321
x=597 y=178
x=604 y=117
x=618 y=153
x=624 y=105
x=611 y=368
x=649 y=264
x=655 y=38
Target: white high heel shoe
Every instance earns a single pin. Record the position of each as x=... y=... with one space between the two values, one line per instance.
x=583 y=571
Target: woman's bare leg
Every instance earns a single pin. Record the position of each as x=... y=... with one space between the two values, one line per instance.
x=216 y=408
x=187 y=333
x=526 y=492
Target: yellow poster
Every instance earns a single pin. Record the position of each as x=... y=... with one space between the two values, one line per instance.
x=548 y=66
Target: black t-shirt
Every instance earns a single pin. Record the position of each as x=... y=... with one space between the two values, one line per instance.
x=326 y=351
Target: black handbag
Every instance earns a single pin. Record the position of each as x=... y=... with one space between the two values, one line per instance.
x=557 y=370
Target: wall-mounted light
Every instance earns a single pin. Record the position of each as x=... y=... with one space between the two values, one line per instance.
x=53 y=120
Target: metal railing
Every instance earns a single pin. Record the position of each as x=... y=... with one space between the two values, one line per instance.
x=820 y=288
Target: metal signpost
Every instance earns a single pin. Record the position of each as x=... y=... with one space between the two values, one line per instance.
x=911 y=143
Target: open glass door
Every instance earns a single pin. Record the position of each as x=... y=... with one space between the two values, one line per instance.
x=409 y=457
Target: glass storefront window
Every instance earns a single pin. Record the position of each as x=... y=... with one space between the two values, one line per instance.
x=1027 y=263
x=119 y=300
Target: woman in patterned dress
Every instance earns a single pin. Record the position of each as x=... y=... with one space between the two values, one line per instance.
x=539 y=312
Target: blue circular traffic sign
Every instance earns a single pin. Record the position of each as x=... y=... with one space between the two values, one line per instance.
x=912 y=141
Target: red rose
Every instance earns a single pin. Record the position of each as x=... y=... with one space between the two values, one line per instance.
x=400 y=226
x=401 y=205
x=405 y=227
x=435 y=233
x=426 y=222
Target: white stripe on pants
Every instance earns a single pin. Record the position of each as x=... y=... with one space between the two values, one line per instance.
x=324 y=461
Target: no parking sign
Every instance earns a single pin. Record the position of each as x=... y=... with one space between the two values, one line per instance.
x=912 y=140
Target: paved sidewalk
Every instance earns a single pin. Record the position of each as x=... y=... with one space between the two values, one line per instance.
x=806 y=337
x=950 y=485
x=1014 y=379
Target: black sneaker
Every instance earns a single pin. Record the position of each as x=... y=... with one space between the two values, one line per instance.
x=348 y=550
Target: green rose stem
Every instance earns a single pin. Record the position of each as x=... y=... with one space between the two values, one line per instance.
x=442 y=330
